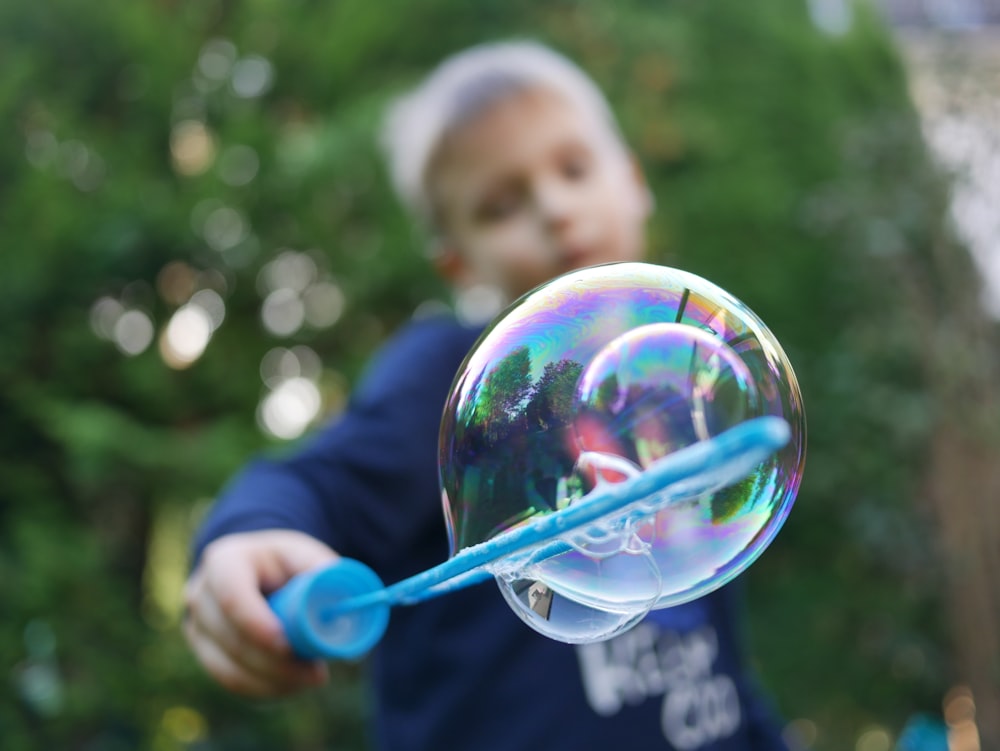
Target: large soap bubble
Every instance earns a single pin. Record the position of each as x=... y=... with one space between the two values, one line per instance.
x=585 y=381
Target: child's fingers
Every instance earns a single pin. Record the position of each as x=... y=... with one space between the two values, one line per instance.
x=236 y=676
x=215 y=625
x=240 y=665
x=220 y=665
x=277 y=667
x=297 y=552
x=231 y=576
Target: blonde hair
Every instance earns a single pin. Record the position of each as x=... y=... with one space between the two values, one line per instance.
x=460 y=88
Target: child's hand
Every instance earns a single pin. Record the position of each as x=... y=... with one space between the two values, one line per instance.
x=229 y=625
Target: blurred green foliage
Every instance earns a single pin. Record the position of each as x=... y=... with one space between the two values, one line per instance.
x=787 y=166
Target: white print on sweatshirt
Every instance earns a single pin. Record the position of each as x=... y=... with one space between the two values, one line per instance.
x=699 y=706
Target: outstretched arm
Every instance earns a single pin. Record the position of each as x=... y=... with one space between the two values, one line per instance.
x=365 y=486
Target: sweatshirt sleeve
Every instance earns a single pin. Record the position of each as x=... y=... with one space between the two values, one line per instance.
x=367 y=483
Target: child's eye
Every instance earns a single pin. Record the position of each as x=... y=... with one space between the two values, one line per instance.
x=498 y=207
x=575 y=167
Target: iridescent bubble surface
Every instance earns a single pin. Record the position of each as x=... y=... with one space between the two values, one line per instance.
x=658 y=388
x=584 y=381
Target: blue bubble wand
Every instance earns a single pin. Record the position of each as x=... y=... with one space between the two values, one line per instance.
x=341 y=611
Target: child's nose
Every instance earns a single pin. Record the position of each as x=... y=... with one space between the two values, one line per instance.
x=557 y=203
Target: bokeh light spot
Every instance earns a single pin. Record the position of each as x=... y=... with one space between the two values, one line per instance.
x=478 y=304
x=92 y=175
x=281 y=364
x=238 y=165
x=212 y=304
x=216 y=59
x=289 y=409
x=192 y=147
x=833 y=17
x=184 y=724
x=800 y=733
x=133 y=332
x=186 y=335
x=214 y=279
x=176 y=282
x=80 y=165
x=310 y=365
x=290 y=269
x=282 y=312
x=41 y=148
x=874 y=739
x=277 y=365
x=252 y=76
x=324 y=304
x=224 y=228
x=71 y=158
x=104 y=314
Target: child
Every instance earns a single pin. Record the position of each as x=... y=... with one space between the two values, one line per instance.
x=510 y=157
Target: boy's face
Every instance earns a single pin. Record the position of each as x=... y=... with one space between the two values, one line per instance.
x=531 y=188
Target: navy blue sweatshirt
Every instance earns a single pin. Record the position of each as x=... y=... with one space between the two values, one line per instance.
x=462 y=671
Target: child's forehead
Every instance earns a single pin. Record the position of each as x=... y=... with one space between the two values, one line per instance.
x=520 y=124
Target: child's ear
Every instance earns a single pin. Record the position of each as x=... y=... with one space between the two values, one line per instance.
x=645 y=194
